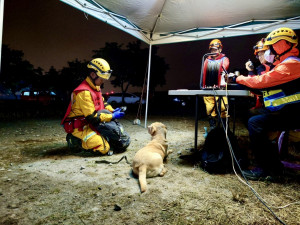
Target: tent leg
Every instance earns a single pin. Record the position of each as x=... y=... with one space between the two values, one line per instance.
x=1 y=27
x=148 y=83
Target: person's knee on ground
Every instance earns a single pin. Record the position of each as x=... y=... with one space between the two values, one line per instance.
x=95 y=142
x=92 y=141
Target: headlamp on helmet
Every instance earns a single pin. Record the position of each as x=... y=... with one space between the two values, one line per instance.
x=101 y=67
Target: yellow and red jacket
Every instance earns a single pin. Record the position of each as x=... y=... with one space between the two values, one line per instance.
x=281 y=85
x=86 y=100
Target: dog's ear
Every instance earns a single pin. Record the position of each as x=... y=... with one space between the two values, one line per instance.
x=151 y=129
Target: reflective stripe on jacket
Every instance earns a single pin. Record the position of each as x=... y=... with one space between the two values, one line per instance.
x=274 y=100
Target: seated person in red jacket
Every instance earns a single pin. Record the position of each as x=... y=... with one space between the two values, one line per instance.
x=281 y=93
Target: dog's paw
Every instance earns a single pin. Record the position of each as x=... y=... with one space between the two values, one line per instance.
x=169 y=152
x=163 y=172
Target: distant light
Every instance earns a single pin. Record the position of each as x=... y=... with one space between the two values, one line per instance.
x=107 y=93
x=112 y=92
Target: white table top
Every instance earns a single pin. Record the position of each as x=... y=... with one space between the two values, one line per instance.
x=210 y=92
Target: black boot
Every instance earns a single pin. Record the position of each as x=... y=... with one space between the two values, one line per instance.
x=74 y=143
x=212 y=122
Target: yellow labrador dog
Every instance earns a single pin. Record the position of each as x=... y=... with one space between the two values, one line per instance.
x=148 y=161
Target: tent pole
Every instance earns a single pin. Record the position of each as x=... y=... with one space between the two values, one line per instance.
x=1 y=27
x=148 y=82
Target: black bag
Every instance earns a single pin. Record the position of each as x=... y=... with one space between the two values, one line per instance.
x=114 y=134
x=215 y=156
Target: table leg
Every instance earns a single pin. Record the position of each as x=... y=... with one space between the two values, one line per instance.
x=196 y=123
x=233 y=128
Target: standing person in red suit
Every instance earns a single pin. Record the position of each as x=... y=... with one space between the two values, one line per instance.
x=214 y=65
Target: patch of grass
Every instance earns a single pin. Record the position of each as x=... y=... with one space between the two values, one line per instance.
x=55 y=191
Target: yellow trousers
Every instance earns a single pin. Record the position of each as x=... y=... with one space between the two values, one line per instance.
x=211 y=104
x=91 y=140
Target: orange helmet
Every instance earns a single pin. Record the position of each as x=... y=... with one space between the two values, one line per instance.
x=260 y=46
x=216 y=43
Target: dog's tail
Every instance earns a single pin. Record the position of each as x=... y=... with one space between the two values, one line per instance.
x=142 y=177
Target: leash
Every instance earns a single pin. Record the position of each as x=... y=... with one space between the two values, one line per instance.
x=107 y=162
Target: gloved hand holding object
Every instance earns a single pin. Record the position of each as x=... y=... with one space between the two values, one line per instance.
x=231 y=75
x=118 y=114
x=230 y=78
x=249 y=65
x=117 y=109
x=122 y=109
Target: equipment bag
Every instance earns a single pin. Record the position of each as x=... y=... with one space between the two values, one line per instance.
x=115 y=134
x=215 y=156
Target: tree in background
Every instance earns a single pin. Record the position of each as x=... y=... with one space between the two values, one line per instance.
x=70 y=77
x=129 y=65
x=51 y=77
x=16 y=72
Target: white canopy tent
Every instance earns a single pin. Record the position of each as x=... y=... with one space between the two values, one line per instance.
x=169 y=21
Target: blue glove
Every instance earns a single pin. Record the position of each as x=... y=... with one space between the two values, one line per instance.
x=117 y=109
x=118 y=114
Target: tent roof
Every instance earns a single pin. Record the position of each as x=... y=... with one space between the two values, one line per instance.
x=169 y=21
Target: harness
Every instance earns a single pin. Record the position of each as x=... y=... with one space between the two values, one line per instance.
x=79 y=122
x=275 y=100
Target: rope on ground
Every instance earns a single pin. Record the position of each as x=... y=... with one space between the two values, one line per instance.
x=108 y=162
x=233 y=158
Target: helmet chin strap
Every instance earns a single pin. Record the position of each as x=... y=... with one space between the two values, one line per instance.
x=93 y=79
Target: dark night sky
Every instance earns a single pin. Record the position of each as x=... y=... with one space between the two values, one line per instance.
x=51 y=33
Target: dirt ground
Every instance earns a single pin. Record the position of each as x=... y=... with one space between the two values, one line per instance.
x=43 y=182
